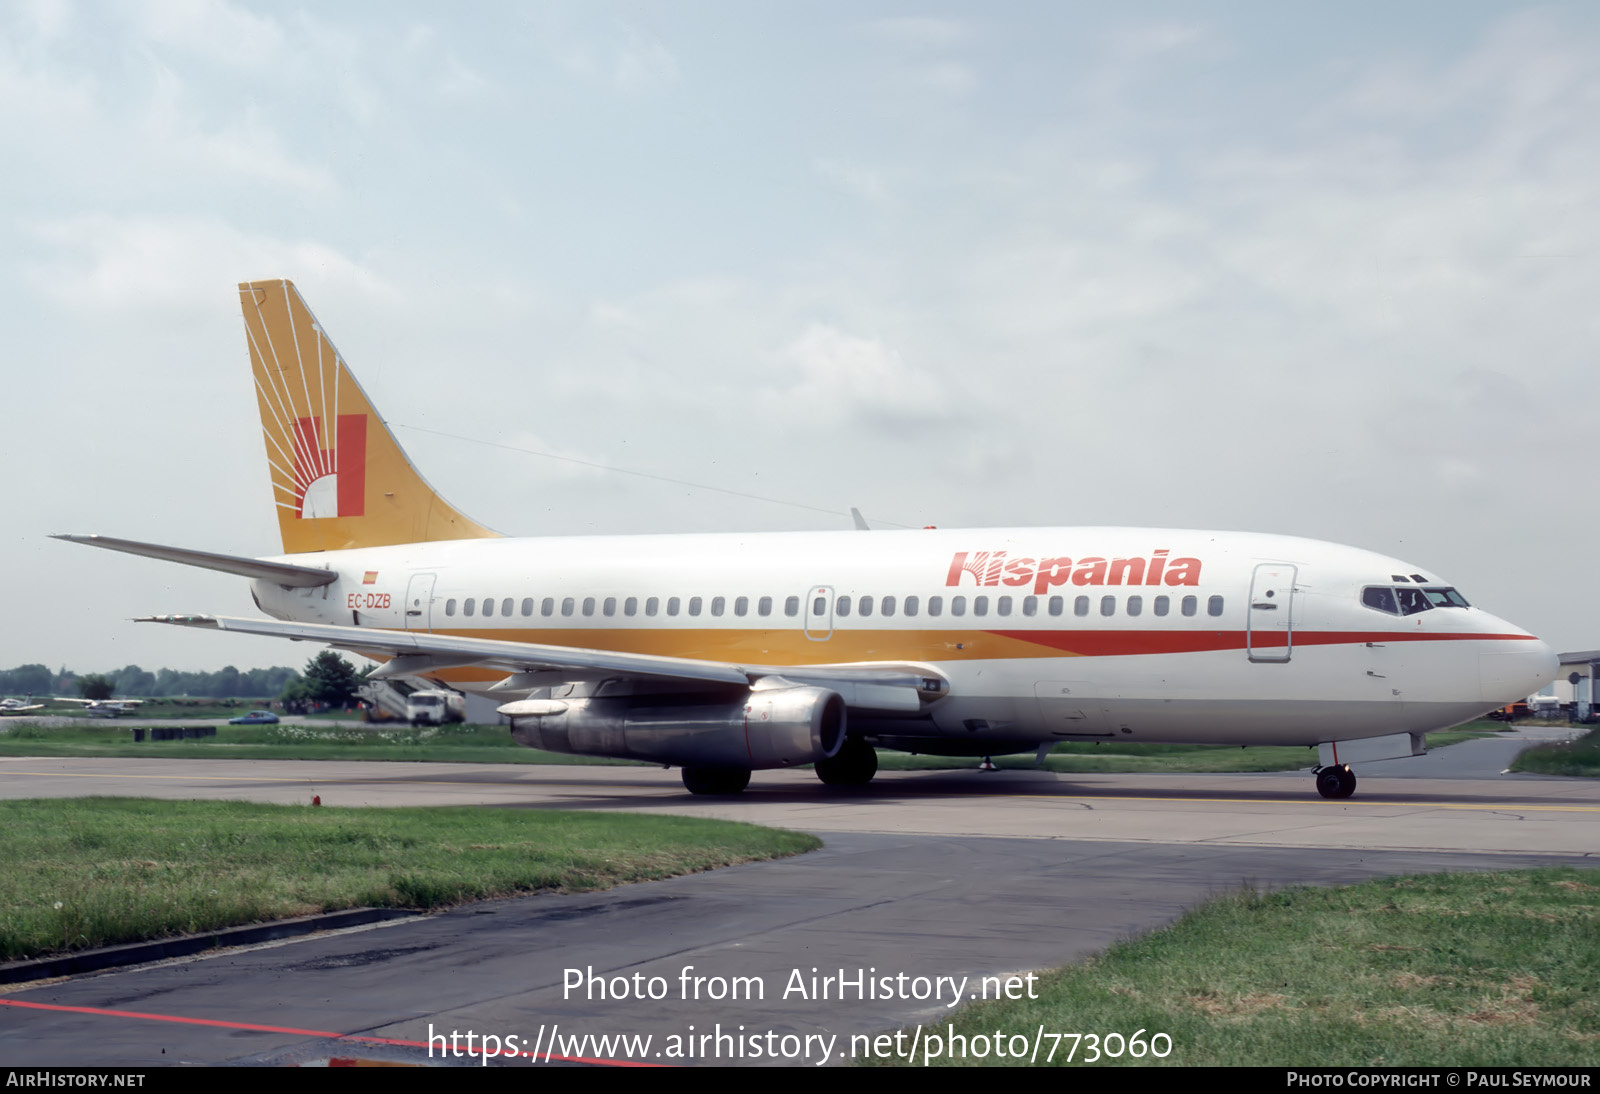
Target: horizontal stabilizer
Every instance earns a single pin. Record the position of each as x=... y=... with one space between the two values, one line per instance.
x=281 y=573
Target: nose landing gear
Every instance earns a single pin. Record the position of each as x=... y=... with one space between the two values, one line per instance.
x=1335 y=782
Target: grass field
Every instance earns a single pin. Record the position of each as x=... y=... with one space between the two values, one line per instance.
x=493 y=744
x=78 y=873
x=1580 y=757
x=440 y=744
x=1440 y=970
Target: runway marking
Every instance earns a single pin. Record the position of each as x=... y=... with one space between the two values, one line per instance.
x=252 y=1027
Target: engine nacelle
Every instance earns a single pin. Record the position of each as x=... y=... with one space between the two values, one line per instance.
x=766 y=728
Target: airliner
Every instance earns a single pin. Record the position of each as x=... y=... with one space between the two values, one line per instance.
x=726 y=654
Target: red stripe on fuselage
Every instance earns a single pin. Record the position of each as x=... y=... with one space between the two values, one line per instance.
x=1125 y=643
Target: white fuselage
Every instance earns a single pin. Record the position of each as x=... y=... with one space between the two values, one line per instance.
x=1042 y=633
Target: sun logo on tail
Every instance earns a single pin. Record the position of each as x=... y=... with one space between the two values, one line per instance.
x=331 y=480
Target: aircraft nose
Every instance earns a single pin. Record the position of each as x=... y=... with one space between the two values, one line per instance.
x=1512 y=670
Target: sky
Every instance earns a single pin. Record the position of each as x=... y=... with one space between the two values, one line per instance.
x=1324 y=270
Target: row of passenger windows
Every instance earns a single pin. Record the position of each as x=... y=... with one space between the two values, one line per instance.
x=1005 y=605
x=630 y=606
x=843 y=606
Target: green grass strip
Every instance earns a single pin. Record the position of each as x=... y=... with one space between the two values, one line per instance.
x=1440 y=970
x=1580 y=757
x=85 y=872
x=435 y=744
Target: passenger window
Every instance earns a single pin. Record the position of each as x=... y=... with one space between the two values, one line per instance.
x=1002 y=606
x=1030 y=605
x=466 y=609
x=630 y=606
x=1190 y=605
x=1135 y=605
x=741 y=606
x=548 y=607
x=488 y=606
x=1108 y=605
x=450 y=606
x=527 y=605
x=841 y=607
x=791 y=606
x=819 y=606
x=911 y=605
x=568 y=605
x=694 y=605
x=652 y=605
x=935 y=605
x=1214 y=606
x=505 y=606
x=588 y=605
x=958 y=605
x=980 y=605
x=610 y=606
x=672 y=605
x=888 y=606
x=717 y=604
x=1058 y=604
x=1162 y=604
x=1080 y=606
x=865 y=606
x=1380 y=597
x=764 y=606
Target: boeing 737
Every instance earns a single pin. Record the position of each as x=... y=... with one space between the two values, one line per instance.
x=724 y=654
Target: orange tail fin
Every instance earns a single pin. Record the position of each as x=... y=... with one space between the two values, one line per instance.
x=338 y=476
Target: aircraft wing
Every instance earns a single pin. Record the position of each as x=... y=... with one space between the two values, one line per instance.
x=900 y=688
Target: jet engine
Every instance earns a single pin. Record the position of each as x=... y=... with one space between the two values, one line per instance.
x=763 y=728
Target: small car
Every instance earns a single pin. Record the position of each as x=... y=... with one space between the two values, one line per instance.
x=255 y=718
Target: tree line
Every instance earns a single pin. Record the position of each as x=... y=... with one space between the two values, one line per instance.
x=133 y=682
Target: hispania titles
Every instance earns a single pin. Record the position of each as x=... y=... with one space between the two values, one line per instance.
x=994 y=568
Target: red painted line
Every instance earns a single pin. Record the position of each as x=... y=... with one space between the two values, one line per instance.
x=1109 y=643
x=258 y=1028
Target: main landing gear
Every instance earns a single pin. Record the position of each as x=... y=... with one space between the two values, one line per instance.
x=853 y=765
x=1336 y=782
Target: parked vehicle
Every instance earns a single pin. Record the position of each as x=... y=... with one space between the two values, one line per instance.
x=435 y=708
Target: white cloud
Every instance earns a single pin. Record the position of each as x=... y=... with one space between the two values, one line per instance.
x=922 y=33
x=833 y=375
x=106 y=262
x=866 y=183
x=215 y=30
x=642 y=62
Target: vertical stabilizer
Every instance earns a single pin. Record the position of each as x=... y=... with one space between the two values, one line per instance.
x=338 y=476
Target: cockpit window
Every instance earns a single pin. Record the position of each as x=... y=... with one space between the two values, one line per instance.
x=1409 y=601
x=1413 y=601
x=1380 y=597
